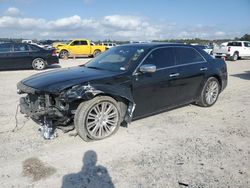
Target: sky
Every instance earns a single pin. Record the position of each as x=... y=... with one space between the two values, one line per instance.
x=124 y=19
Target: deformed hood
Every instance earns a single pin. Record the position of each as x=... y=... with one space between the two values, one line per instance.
x=57 y=80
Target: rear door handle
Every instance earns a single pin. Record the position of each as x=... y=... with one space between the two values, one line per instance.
x=203 y=69
x=174 y=75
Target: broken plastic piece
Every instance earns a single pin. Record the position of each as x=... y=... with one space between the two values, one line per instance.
x=47 y=130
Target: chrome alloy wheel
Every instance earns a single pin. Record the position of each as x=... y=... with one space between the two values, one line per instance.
x=212 y=92
x=39 y=64
x=102 y=119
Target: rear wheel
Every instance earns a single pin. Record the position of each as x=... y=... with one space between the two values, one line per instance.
x=64 y=54
x=235 y=56
x=210 y=93
x=98 y=118
x=39 y=64
x=96 y=53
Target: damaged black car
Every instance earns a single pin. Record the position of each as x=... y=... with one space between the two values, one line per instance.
x=124 y=83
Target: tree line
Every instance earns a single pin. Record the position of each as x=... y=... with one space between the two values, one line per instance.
x=245 y=37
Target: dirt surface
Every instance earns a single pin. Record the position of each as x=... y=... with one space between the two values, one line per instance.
x=186 y=147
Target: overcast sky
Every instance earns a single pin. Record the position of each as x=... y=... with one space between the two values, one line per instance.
x=124 y=19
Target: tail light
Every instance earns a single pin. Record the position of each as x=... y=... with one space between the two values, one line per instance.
x=54 y=53
x=228 y=49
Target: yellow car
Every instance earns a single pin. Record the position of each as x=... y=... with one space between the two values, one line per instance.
x=79 y=47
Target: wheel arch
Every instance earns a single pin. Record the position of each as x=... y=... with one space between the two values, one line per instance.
x=122 y=95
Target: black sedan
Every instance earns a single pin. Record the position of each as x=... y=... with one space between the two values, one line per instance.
x=23 y=56
x=124 y=83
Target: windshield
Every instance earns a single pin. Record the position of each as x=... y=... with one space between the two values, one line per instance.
x=117 y=58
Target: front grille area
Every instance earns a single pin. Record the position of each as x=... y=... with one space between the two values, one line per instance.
x=35 y=102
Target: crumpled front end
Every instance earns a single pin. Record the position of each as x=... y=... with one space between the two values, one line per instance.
x=53 y=109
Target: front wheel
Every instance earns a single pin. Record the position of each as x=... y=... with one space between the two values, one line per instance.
x=39 y=64
x=98 y=118
x=210 y=93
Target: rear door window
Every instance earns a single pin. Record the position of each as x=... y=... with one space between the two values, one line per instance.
x=247 y=44
x=161 y=58
x=186 y=55
x=234 y=44
x=83 y=42
x=5 y=47
x=21 y=48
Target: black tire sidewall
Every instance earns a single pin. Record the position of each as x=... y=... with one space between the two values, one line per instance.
x=235 y=55
x=82 y=112
x=96 y=53
x=64 y=57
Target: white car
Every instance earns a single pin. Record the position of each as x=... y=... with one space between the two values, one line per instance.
x=233 y=50
x=109 y=45
x=206 y=48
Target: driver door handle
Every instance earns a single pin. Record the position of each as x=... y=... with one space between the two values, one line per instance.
x=203 y=69
x=174 y=75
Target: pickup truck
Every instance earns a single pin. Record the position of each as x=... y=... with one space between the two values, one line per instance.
x=79 y=47
x=233 y=50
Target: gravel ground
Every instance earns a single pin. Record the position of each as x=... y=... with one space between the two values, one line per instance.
x=186 y=147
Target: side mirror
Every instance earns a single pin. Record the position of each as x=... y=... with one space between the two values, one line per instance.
x=147 y=68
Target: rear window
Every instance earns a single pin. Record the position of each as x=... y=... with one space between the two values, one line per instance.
x=5 y=47
x=21 y=48
x=187 y=55
x=234 y=44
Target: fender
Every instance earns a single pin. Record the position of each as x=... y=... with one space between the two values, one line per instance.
x=89 y=91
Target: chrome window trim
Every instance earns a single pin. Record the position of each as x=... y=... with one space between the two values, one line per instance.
x=192 y=63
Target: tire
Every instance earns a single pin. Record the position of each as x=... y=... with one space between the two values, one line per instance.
x=96 y=53
x=209 y=93
x=235 y=56
x=90 y=121
x=39 y=64
x=64 y=54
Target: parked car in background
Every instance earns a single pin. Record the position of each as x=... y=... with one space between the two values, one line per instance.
x=109 y=45
x=41 y=45
x=125 y=82
x=208 y=49
x=233 y=50
x=25 y=55
x=79 y=47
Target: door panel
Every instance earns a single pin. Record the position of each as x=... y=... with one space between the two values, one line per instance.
x=5 y=56
x=192 y=68
x=190 y=81
x=84 y=47
x=155 y=91
x=21 y=56
x=246 y=50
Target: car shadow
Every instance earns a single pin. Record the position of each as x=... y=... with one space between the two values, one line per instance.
x=245 y=75
x=53 y=67
x=24 y=69
x=90 y=176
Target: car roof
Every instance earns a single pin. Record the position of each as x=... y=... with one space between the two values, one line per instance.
x=157 y=44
